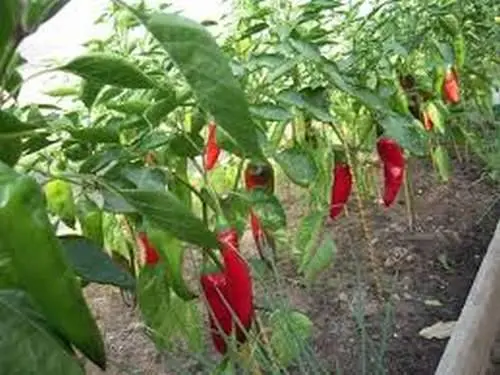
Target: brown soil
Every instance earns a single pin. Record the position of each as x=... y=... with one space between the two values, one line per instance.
x=427 y=270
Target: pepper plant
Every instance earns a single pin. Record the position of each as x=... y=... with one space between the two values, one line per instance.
x=322 y=94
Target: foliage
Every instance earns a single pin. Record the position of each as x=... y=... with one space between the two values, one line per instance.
x=301 y=85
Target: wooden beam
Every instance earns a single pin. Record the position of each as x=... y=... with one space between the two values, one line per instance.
x=468 y=349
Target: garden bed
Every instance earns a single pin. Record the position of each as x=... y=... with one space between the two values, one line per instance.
x=430 y=271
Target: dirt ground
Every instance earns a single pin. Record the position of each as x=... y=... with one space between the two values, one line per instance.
x=428 y=271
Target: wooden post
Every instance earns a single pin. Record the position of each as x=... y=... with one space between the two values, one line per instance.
x=468 y=349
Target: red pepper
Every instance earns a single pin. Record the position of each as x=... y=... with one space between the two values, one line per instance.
x=341 y=188
x=393 y=160
x=229 y=292
x=451 y=90
x=259 y=175
x=428 y=124
x=212 y=150
x=150 y=254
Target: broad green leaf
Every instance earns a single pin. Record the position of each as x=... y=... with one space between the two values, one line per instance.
x=406 y=131
x=207 y=71
x=291 y=97
x=186 y=145
x=172 y=251
x=60 y=200
x=101 y=134
x=40 y=11
x=254 y=29
x=11 y=126
x=271 y=112
x=153 y=296
x=13 y=83
x=8 y=20
x=235 y=208
x=89 y=91
x=10 y=151
x=109 y=69
x=164 y=210
x=321 y=258
x=158 y=111
x=90 y=218
x=308 y=234
x=442 y=161
x=145 y=178
x=41 y=265
x=29 y=345
x=291 y=331
x=298 y=165
x=114 y=237
x=269 y=210
x=92 y=264
x=129 y=107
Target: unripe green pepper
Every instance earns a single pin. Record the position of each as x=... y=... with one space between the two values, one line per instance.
x=90 y=218
x=39 y=262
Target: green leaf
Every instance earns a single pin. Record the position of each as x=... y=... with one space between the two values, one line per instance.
x=92 y=264
x=62 y=91
x=406 y=131
x=101 y=134
x=172 y=251
x=291 y=331
x=271 y=112
x=10 y=151
x=298 y=165
x=207 y=71
x=89 y=91
x=442 y=161
x=166 y=211
x=109 y=69
x=29 y=346
x=13 y=83
x=158 y=111
x=41 y=265
x=153 y=297
x=450 y=24
x=11 y=126
x=60 y=200
x=186 y=145
x=269 y=209
x=308 y=234
x=129 y=107
x=322 y=257
x=8 y=20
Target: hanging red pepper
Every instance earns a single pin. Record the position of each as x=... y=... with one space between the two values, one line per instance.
x=428 y=124
x=149 y=253
x=229 y=292
x=212 y=150
x=260 y=176
x=451 y=89
x=341 y=188
x=391 y=155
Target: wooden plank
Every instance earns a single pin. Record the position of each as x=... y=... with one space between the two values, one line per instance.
x=468 y=349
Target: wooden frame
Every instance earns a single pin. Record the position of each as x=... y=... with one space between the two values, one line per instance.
x=468 y=349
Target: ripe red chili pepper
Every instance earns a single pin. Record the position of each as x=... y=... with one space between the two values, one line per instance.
x=259 y=175
x=393 y=160
x=451 y=89
x=229 y=292
x=212 y=150
x=341 y=188
x=149 y=253
x=428 y=124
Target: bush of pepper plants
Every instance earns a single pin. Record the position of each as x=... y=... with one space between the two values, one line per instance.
x=325 y=95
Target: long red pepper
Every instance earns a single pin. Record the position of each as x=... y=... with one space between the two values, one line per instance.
x=212 y=150
x=341 y=188
x=229 y=293
x=259 y=176
x=451 y=89
x=150 y=254
x=391 y=155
